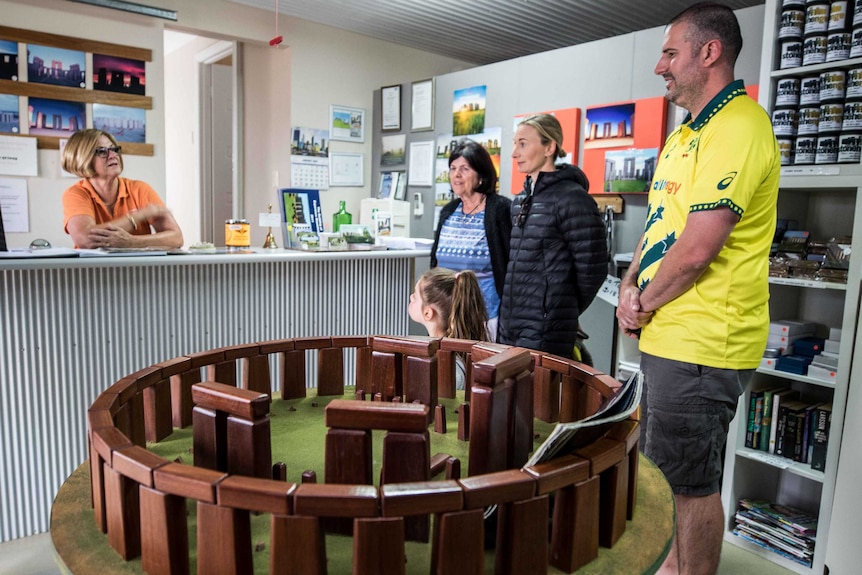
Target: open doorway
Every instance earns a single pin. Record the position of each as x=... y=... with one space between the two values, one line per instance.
x=202 y=133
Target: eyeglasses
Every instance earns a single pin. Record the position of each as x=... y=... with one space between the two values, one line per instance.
x=103 y=152
x=524 y=213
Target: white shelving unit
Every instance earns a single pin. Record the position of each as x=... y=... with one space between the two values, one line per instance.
x=827 y=201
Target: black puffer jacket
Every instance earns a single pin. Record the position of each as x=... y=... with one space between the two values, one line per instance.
x=557 y=263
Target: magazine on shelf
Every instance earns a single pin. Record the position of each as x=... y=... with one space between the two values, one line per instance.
x=757 y=541
x=799 y=522
x=619 y=407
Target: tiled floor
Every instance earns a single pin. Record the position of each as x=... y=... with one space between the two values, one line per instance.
x=35 y=556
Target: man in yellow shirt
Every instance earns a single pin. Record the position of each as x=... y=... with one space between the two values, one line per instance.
x=697 y=291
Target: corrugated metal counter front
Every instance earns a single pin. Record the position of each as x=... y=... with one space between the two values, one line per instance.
x=70 y=327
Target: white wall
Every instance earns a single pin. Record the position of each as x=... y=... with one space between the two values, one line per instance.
x=316 y=66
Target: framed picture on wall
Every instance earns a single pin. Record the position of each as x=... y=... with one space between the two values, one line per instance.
x=346 y=169
x=390 y=108
x=347 y=124
x=422 y=106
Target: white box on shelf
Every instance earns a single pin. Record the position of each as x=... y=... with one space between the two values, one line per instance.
x=400 y=210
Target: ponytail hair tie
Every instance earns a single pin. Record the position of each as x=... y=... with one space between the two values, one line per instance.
x=457 y=275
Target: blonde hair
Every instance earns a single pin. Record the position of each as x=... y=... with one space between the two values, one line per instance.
x=458 y=300
x=80 y=151
x=549 y=130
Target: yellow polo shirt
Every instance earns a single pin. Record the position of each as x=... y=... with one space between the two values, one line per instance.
x=727 y=157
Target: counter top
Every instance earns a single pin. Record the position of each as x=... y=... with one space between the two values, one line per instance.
x=250 y=255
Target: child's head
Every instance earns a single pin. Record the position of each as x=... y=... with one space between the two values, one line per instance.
x=449 y=304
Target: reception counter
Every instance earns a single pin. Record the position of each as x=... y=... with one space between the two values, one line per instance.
x=70 y=327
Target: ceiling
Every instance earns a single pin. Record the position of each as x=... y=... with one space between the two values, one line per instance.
x=486 y=31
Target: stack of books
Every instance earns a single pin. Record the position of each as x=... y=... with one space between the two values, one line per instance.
x=783 y=530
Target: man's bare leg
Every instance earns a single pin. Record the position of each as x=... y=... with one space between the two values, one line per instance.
x=696 y=549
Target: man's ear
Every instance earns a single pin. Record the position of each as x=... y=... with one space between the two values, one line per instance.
x=711 y=52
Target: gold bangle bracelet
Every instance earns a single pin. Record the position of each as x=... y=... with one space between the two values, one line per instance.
x=132 y=221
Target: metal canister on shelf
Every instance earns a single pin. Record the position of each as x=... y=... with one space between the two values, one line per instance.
x=785 y=4
x=785 y=121
x=849 y=148
x=237 y=234
x=857 y=14
x=832 y=85
x=791 y=54
x=838 y=16
x=856 y=42
x=792 y=23
x=804 y=150
x=785 y=151
x=827 y=149
x=813 y=49
x=852 y=115
x=809 y=91
x=787 y=92
x=838 y=46
x=809 y=118
x=831 y=117
x=853 y=83
x=816 y=18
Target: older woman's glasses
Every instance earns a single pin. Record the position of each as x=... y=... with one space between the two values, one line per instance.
x=103 y=152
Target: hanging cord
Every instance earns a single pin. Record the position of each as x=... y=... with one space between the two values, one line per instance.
x=277 y=39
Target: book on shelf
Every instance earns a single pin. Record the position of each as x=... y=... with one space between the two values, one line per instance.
x=769 y=527
x=766 y=418
x=754 y=417
x=777 y=398
x=785 y=438
x=822 y=418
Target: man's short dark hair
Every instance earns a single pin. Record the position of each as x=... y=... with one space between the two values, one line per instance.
x=711 y=20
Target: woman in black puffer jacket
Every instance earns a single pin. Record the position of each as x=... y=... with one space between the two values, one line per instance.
x=558 y=250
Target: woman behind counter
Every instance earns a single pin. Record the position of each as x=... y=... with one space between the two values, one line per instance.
x=106 y=211
x=474 y=228
x=558 y=257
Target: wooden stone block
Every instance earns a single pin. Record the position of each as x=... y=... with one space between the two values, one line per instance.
x=490 y=428
x=592 y=400
x=500 y=487
x=458 y=543
x=459 y=345
x=188 y=481
x=453 y=468
x=297 y=546
x=546 y=395
x=253 y=494
x=292 y=374
x=377 y=397
x=440 y=418
x=378 y=546
x=486 y=349
x=359 y=395
x=331 y=500
x=97 y=487
x=279 y=471
x=416 y=346
x=406 y=459
x=362 y=415
x=497 y=368
x=522 y=538
x=164 y=533
x=174 y=366
x=204 y=358
x=445 y=373
x=363 y=369
x=387 y=377
x=137 y=425
x=255 y=374
x=209 y=438
x=464 y=422
x=558 y=473
x=123 y=514
x=309 y=476
x=330 y=371
x=312 y=342
x=138 y=464
x=631 y=498
x=603 y=454
x=420 y=380
x=569 y=399
x=419 y=498
x=157 y=411
x=613 y=489
x=575 y=528
x=223 y=540
x=348 y=457
x=522 y=420
x=344 y=341
x=239 y=402
x=438 y=464
x=223 y=372
x=241 y=351
x=276 y=346
x=181 y=397
x=249 y=446
x=107 y=440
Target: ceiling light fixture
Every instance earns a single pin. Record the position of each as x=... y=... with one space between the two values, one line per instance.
x=133 y=8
